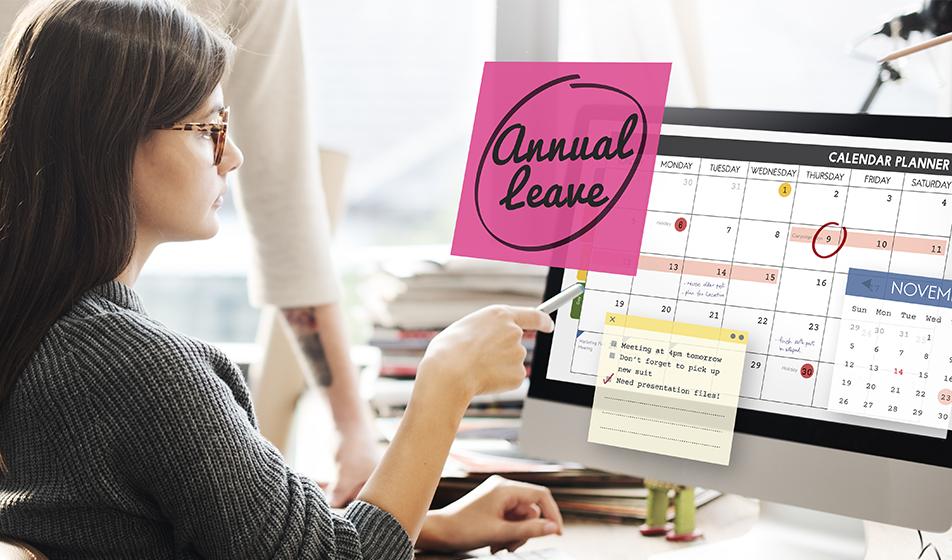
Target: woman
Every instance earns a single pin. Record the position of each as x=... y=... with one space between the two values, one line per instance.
x=122 y=439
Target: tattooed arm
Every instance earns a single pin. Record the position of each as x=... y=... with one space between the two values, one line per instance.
x=320 y=332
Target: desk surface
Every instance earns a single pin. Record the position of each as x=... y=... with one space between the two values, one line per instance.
x=727 y=517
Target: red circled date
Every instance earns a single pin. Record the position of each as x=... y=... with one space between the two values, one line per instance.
x=817 y=235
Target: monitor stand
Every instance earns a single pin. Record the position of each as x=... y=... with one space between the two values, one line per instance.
x=785 y=533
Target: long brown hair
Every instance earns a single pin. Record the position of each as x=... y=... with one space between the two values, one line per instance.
x=82 y=82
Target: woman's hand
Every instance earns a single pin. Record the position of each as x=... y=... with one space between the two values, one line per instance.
x=498 y=513
x=356 y=458
x=483 y=351
x=480 y=353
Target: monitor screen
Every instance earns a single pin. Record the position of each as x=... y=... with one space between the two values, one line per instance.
x=756 y=221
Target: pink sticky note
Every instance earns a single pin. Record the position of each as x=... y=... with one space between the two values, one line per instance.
x=560 y=164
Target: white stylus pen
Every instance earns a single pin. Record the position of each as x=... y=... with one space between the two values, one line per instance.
x=561 y=298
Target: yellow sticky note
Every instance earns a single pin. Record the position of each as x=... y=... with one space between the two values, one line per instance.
x=668 y=387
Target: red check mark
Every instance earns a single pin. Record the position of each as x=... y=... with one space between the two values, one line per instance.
x=609 y=378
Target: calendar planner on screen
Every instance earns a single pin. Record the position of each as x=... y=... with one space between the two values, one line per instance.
x=758 y=231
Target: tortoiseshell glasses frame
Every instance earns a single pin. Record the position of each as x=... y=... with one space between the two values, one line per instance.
x=218 y=130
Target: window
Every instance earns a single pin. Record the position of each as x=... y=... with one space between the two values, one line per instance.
x=395 y=87
x=746 y=54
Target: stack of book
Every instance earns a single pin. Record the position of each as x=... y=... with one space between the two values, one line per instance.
x=411 y=300
x=402 y=349
x=584 y=494
x=431 y=293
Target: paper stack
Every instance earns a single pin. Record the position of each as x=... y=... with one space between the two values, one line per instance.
x=411 y=300
x=487 y=446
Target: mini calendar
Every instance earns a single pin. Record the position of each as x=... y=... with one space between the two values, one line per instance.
x=893 y=356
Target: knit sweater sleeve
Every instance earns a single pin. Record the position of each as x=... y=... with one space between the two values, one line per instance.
x=179 y=437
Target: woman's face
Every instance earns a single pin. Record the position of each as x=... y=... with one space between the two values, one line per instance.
x=176 y=187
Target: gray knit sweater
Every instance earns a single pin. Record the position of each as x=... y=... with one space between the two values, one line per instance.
x=124 y=439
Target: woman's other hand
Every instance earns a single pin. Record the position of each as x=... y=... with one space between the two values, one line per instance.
x=358 y=454
x=499 y=513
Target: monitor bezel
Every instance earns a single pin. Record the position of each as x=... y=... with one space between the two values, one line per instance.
x=859 y=439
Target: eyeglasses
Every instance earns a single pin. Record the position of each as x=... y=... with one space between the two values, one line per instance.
x=218 y=130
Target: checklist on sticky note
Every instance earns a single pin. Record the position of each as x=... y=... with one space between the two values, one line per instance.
x=668 y=387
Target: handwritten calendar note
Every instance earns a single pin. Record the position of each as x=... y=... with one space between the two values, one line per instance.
x=560 y=163
x=667 y=387
x=893 y=357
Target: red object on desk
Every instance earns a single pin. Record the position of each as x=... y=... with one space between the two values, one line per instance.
x=649 y=531
x=687 y=537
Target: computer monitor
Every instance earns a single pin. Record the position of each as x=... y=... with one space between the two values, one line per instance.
x=886 y=180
